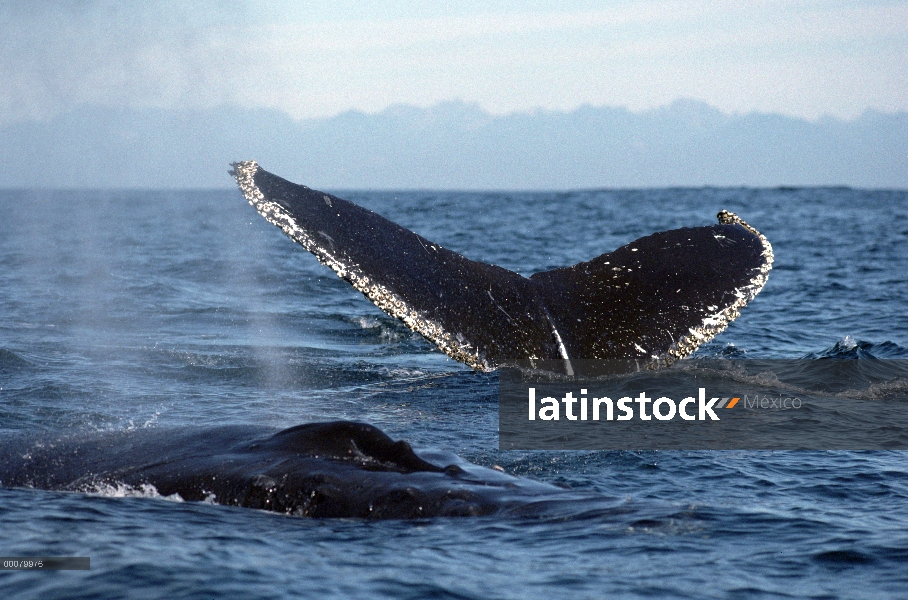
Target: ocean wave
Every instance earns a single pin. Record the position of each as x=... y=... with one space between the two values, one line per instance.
x=850 y=348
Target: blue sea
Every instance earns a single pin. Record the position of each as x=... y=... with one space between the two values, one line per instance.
x=161 y=310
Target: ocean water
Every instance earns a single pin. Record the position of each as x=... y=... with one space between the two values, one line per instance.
x=160 y=310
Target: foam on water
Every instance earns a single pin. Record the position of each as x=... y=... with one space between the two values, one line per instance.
x=123 y=490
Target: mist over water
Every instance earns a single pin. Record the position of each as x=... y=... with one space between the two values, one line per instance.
x=160 y=310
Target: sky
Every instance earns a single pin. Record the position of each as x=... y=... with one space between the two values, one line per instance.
x=317 y=59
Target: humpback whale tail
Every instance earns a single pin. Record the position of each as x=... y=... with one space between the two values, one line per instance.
x=656 y=299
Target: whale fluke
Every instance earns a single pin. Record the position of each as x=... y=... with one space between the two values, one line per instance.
x=656 y=299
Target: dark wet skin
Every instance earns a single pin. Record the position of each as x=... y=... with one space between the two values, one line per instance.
x=337 y=469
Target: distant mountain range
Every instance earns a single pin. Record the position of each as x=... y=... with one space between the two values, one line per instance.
x=454 y=145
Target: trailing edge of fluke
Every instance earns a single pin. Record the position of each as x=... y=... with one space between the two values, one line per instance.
x=656 y=299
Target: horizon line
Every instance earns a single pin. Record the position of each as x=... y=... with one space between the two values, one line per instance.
x=473 y=104
x=391 y=190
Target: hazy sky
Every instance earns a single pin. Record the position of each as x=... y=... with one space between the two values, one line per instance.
x=803 y=59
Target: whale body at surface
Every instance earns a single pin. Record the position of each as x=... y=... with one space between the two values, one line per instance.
x=337 y=469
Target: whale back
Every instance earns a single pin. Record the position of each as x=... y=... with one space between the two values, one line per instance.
x=359 y=443
x=338 y=469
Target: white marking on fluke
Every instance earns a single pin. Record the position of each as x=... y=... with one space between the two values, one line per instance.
x=714 y=324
